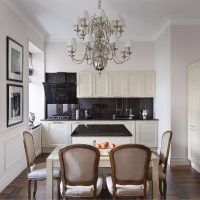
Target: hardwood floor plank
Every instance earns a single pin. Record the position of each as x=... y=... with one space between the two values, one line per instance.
x=183 y=183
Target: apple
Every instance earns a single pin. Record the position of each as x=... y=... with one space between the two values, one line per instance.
x=98 y=146
x=112 y=146
x=103 y=146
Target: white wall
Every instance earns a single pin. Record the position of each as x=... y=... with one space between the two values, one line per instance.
x=57 y=59
x=185 y=49
x=36 y=90
x=12 y=160
x=163 y=81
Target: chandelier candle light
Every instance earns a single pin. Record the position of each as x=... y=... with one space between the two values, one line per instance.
x=101 y=39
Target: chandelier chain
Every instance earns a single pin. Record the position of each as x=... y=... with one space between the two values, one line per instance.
x=99 y=4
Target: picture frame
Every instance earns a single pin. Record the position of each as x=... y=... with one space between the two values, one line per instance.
x=14 y=60
x=14 y=104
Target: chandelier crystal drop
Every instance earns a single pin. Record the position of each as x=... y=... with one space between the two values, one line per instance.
x=101 y=39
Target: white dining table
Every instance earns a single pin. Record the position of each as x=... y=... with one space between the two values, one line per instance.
x=53 y=161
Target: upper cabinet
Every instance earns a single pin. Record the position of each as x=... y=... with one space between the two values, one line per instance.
x=131 y=84
x=146 y=84
x=100 y=84
x=84 y=84
x=116 y=84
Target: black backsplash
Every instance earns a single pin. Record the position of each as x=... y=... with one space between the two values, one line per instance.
x=105 y=108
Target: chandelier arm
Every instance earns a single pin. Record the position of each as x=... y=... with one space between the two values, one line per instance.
x=117 y=60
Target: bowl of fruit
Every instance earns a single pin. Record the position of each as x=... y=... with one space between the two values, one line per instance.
x=105 y=148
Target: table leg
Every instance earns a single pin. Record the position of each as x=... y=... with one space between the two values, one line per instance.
x=49 y=181
x=155 y=178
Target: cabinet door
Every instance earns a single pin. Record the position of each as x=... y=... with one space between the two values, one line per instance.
x=36 y=132
x=131 y=127
x=146 y=133
x=194 y=95
x=195 y=150
x=131 y=84
x=116 y=84
x=58 y=134
x=147 y=84
x=84 y=84
x=100 y=84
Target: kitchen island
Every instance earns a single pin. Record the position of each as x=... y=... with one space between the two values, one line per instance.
x=99 y=133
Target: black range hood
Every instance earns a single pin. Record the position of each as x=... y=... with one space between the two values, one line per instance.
x=60 y=88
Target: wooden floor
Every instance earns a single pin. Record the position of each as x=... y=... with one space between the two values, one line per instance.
x=183 y=183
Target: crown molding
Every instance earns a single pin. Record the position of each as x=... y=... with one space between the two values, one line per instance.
x=185 y=21
x=31 y=23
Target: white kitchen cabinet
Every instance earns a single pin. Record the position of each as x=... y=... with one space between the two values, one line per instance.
x=146 y=133
x=100 y=84
x=56 y=133
x=36 y=133
x=131 y=84
x=84 y=84
x=146 y=84
x=194 y=115
x=116 y=84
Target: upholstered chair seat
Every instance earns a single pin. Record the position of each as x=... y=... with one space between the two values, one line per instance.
x=126 y=190
x=83 y=191
x=79 y=171
x=39 y=171
x=36 y=172
x=163 y=159
x=129 y=167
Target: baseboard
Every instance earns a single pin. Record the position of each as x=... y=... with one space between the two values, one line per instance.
x=179 y=161
x=11 y=175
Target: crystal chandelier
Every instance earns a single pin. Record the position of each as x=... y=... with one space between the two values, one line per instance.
x=101 y=39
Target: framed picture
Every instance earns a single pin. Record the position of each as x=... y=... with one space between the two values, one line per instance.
x=14 y=60
x=14 y=104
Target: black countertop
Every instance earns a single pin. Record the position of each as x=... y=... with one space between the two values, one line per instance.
x=105 y=130
x=100 y=119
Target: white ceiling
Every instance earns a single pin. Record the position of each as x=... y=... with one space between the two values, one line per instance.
x=144 y=18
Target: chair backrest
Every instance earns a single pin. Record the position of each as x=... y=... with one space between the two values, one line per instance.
x=130 y=165
x=29 y=148
x=165 y=147
x=79 y=165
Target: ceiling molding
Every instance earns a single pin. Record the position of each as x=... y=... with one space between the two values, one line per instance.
x=162 y=30
x=38 y=29
x=185 y=21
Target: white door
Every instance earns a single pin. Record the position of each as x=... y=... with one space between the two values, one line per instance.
x=146 y=133
x=131 y=84
x=84 y=84
x=100 y=84
x=116 y=84
x=58 y=134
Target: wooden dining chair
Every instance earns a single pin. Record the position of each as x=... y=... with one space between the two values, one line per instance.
x=79 y=171
x=163 y=160
x=36 y=172
x=129 y=166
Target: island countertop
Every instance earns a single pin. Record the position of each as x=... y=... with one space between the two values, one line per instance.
x=101 y=130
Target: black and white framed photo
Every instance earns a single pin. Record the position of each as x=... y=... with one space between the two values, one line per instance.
x=14 y=104
x=14 y=60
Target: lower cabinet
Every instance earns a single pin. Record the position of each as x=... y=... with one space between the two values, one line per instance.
x=36 y=133
x=56 y=133
x=147 y=134
x=97 y=140
x=193 y=147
